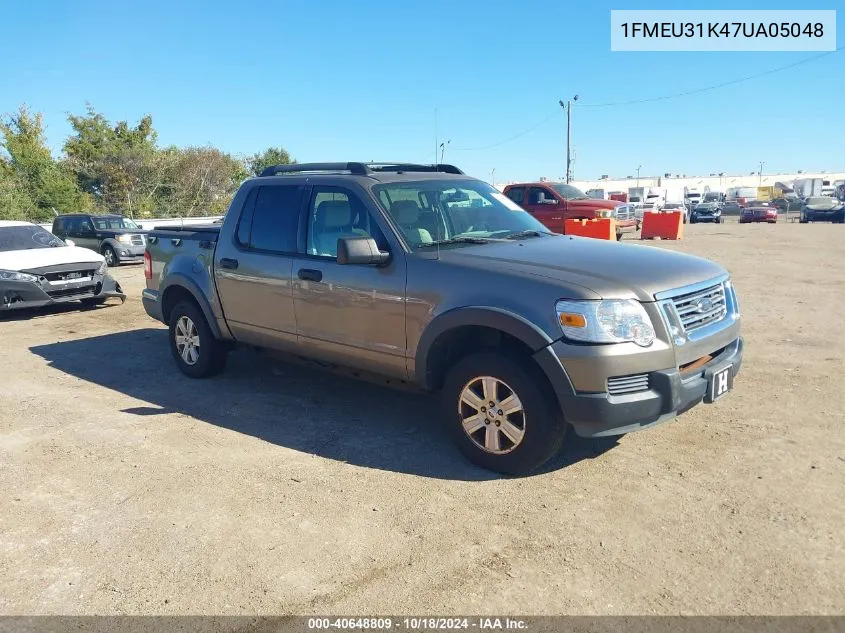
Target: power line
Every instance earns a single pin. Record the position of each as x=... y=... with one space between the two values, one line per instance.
x=713 y=87
x=653 y=99
x=512 y=138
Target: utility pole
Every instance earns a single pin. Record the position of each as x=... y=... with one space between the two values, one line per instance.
x=493 y=176
x=760 y=173
x=638 y=174
x=568 y=107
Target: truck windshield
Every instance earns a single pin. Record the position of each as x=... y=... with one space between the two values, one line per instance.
x=711 y=197
x=107 y=223
x=455 y=212
x=21 y=238
x=568 y=192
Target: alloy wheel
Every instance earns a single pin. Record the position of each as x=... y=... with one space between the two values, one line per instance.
x=491 y=415
x=187 y=340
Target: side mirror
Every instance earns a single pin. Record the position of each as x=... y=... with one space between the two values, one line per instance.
x=70 y=243
x=360 y=250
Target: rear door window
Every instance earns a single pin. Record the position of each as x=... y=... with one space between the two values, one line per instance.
x=275 y=218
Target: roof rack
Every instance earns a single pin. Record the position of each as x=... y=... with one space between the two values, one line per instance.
x=358 y=169
x=413 y=167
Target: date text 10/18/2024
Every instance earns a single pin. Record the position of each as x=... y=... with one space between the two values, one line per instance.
x=418 y=624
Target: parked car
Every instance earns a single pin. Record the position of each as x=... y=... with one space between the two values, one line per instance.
x=423 y=274
x=118 y=239
x=38 y=269
x=759 y=212
x=822 y=209
x=552 y=203
x=708 y=210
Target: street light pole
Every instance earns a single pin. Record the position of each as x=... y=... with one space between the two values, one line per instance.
x=638 y=174
x=568 y=107
x=760 y=173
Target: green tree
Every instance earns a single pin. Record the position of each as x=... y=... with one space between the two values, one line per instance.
x=15 y=203
x=269 y=157
x=200 y=181
x=30 y=170
x=118 y=164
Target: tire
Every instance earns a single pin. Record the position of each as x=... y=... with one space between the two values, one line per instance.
x=619 y=237
x=693 y=221
x=540 y=418
x=208 y=356
x=112 y=259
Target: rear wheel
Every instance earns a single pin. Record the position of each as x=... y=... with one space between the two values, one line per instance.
x=499 y=415
x=197 y=353
x=619 y=236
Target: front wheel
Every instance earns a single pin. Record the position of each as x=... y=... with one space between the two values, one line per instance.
x=111 y=257
x=499 y=414
x=197 y=353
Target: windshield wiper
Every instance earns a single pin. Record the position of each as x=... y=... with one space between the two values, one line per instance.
x=459 y=240
x=529 y=233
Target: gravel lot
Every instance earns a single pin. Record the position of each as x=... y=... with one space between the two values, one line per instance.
x=127 y=488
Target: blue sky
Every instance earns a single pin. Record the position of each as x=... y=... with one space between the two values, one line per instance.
x=362 y=80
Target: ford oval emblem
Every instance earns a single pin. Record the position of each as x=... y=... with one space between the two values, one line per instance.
x=705 y=304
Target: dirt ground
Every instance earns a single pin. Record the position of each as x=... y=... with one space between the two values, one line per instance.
x=273 y=489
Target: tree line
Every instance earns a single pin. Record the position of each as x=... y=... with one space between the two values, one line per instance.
x=115 y=167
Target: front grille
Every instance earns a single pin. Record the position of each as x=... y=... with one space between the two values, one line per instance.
x=621 y=385
x=63 y=275
x=64 y=293
x=138 y=240
x=624 y=213
x=700 y=308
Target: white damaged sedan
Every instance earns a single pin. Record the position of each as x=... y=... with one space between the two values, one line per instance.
x=39 y=269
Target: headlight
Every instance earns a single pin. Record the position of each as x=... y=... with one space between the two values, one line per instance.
x=124 y=239
x=607 y=321
x=604 y=213
x=13 y=275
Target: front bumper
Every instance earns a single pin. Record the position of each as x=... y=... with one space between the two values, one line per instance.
x=127 y=253
x=19 y=295
x=670 y=393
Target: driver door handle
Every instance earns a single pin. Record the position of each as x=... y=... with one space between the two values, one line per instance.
x=310 y=274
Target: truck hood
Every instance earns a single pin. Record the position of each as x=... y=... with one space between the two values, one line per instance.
x=592 y=204
x=41 y=257
x=607 y=270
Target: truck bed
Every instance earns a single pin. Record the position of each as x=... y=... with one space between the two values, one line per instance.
x=187 y=232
